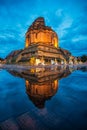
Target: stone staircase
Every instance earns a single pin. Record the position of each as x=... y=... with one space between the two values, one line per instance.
x=26 y=121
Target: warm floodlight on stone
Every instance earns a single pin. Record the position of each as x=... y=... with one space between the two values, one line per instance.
x=38 y=32
x=41 y=47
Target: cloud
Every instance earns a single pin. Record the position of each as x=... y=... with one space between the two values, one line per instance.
x=6 y=34
x=10 y=39
x=62 y=29
x=73 y=34
x=7 y=46
x=67 y=19
x=79 y=38
x=60 y=12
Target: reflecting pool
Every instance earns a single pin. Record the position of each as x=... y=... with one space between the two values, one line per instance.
x=43 y=98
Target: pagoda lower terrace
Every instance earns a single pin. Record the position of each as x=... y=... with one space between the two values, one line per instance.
x=38 y=54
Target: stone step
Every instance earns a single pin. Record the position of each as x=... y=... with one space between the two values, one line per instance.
x=9 y=124
x=26 y=121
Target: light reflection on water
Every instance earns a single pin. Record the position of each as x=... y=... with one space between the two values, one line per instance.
x=41 y=98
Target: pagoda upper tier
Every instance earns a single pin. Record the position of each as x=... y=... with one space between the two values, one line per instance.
x=38 y=32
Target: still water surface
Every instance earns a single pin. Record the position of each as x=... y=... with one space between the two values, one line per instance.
x=43 y=99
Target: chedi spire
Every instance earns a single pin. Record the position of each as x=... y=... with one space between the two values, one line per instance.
x=38 y=23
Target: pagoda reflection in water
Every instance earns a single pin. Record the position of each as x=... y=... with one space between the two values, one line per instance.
x=41 y=83
x=39 y=92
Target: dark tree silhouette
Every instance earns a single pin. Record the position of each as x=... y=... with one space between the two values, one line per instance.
x=84 y=58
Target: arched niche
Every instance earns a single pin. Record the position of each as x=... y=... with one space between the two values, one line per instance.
x=55 y=41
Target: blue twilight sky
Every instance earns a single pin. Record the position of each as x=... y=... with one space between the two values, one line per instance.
x=67 y=17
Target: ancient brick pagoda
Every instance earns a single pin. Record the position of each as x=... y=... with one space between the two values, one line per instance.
x=41 y=47
x=38 y=32
x=43 y=42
